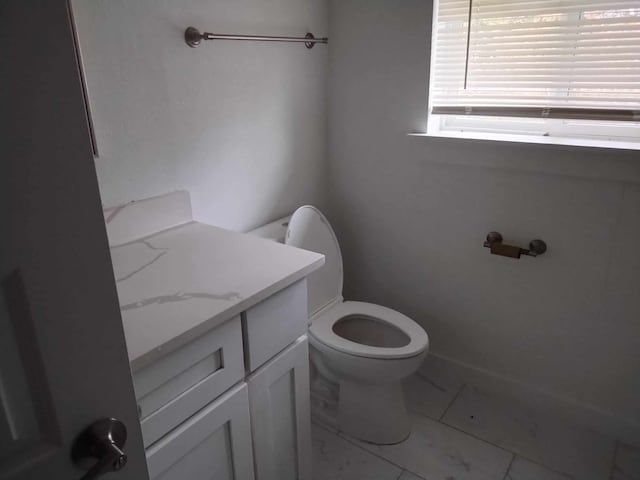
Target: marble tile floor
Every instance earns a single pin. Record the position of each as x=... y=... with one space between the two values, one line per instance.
x=462 y=433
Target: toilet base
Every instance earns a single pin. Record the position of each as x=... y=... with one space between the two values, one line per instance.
x=375 y=413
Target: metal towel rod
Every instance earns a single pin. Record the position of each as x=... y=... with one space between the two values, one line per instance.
x=193 y=37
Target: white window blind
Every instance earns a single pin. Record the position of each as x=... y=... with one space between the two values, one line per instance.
x=572 y=59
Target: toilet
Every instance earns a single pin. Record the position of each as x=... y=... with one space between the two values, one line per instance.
x=362 y=349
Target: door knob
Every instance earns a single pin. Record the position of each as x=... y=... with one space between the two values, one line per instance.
x=102 y=441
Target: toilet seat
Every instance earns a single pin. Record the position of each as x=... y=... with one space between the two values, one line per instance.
x=309 y=229
x=322 y=330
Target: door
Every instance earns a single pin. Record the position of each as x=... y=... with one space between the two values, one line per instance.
x=63 y=359
x=280 y=415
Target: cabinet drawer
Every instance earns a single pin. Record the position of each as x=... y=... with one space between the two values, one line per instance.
x=215 y=443
x=181 y=383
x=275 y=323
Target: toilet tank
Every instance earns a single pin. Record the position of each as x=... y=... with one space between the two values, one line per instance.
x=275 y=230
x=325 y=284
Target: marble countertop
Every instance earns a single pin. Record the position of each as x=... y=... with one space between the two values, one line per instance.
x=177 y=284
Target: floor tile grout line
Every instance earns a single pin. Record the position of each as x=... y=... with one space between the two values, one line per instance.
x=355 y=444
x=462 y=387
x=547 y=467
x=420 y=477
x=414 y=474
x=517 y=454
x=404 y=470
x=613 y=461
x=459 y=430
x=381 y=457
x=535 y=462
x=421 y=414
x=350 y=441
x=506 y=474
x=474 y=436
x=435 y=418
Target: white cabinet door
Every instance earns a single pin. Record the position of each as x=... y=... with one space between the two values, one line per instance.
x=280 y=421
x=214 y=444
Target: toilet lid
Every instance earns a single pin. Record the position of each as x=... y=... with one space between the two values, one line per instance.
x=323 y=330
x=310 y=230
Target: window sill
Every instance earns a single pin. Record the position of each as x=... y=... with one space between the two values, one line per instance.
x=540 y=139
x=620 y=165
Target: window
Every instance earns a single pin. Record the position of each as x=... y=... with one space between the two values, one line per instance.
x=549 y=71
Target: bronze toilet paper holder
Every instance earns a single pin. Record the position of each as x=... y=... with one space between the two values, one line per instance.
x=494 y=242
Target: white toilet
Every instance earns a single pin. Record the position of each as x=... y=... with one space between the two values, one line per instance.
x=365 y=349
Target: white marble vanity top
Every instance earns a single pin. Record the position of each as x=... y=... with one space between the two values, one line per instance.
x=175 y=285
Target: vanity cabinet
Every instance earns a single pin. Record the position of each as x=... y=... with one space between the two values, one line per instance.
x=233 y=403
x=214 y=444
x=215 y=323
x=280 y=416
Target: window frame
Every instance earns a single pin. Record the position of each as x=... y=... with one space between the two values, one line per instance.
x=561 y=131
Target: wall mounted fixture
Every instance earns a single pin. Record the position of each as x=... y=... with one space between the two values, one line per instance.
x=494 y=242
x=193 y=37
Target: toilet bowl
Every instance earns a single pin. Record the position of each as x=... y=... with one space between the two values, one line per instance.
x=366 y=349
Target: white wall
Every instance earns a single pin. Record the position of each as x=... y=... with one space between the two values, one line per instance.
x=411 y=215
x=241 y=125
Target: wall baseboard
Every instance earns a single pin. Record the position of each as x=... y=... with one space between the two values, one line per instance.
x=621 y=428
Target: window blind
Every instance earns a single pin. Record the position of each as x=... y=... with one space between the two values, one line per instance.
x=537 y=58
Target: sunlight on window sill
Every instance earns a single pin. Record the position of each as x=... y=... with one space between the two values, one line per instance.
x=543 y=139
